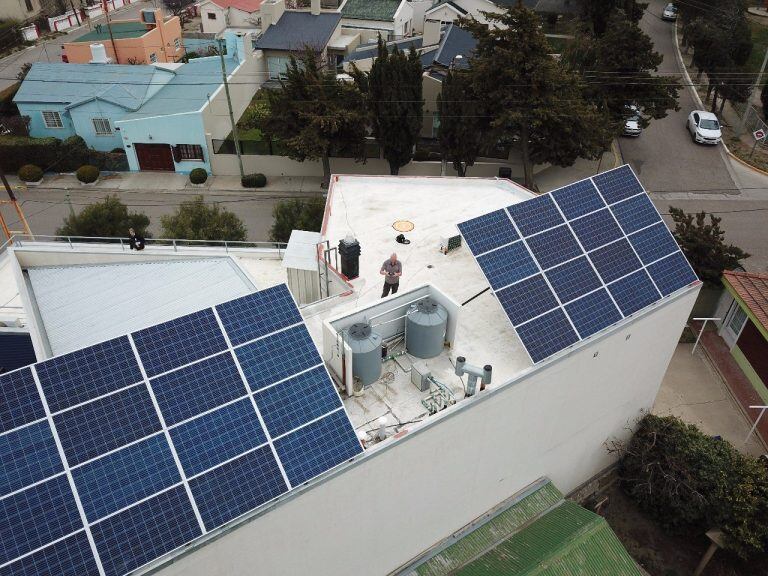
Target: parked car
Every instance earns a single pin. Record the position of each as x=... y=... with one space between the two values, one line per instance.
x=669 y=12
x=704 y=127
x=632 y=126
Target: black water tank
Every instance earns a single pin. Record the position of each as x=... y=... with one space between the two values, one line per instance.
x=349 y=250
x=505 y=172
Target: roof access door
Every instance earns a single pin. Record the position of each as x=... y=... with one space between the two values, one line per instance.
x=158 y=157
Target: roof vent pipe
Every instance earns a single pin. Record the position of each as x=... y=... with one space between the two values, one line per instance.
x=315 y=7
x=99 y=54
x=474 y=373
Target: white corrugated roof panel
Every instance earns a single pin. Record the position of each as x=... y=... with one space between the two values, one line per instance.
x=301 y=252
x=83 y=305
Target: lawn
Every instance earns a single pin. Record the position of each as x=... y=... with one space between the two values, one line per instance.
x=759 y=45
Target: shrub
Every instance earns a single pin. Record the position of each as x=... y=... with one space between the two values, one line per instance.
x=87 y=174
x=687 y=480
x=108 y=219
x=254 y=181
x=117 y=151
x=296 y=215
x=30 y=173
x=16 y=151
x=198 y=220
x=73 y=154
x=421 y=155
x=108 y=161
x=198 y=176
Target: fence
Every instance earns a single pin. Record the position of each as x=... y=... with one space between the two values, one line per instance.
x=751 y=122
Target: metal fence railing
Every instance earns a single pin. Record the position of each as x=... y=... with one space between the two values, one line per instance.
x=751 y=121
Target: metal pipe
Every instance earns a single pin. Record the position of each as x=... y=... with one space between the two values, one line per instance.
x=703 y=327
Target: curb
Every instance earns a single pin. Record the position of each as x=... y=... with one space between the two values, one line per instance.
x=254 y=194
x=747 y=164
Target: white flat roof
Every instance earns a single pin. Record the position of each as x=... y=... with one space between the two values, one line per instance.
x=86 y=304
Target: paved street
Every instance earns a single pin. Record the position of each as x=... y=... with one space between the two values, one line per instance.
x=693 y=177
x=50 y=51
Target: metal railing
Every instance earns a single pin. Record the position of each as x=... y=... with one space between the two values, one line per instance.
x=20 y=240
x=751 y=122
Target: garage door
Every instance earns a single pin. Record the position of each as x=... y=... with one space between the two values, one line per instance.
x=155 y=157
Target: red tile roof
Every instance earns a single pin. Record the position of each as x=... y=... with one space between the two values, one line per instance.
x=244 y=5
x=753 y=290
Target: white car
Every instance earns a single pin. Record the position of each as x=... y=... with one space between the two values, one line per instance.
x=704 y=127
x=670 y=12
x=632 y=125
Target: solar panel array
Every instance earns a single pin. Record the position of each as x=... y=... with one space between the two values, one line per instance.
x=119 y=453
x=570 y=263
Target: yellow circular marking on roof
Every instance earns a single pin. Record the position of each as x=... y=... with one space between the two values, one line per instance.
x=403 y=226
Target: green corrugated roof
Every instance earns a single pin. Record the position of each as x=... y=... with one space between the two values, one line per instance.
x=383 y=10
x=539 y=535
x=119 y=30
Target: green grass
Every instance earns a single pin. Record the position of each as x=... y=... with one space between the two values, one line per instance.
x=250 y=134
x=759 y=45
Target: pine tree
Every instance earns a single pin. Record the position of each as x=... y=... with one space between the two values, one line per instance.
x=531 y=98
x=314 y=114
x=394 y=92
x=462 y=128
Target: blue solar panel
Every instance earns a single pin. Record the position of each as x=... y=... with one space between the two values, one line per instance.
x=115 y=481
x=526 y=299
x=488 y=232
x=554 y=246
x=86 y=374
x=317 y=447
x=572 y=279
x=596 y=229
x=547 y=334
x=507 y=265
x=614 y=260
x=294 y=402
x=578 y=199
x=672 y=273
x=140 y=534
x=618 y=184
x=634 y=292
x=654 y=243
x=593 y=312
x=238 y=487
x=28 y=455
x=177 y=342
x=36 y=516
x=69 y=557
x=258 y=314
x=103 y=425
x=19 y=401
x=276 y=357
x=209 y=440
x=636 y=213
x=196 y=388
x=535 y=215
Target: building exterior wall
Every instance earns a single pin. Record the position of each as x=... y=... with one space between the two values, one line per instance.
x=375 y=514
x=443 y=13
x=212 y=25
x=430 y=89
x=17 y=10
x=751 y=353
x=369 y=30
x=160 y=41
x=404 y=20
x=37 y=127
x=82 y=120
x=420 y=8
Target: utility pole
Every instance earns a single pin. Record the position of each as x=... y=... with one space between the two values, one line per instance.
x=757 y=83
x=109 y=27
x=231 y=113
x=77 y=14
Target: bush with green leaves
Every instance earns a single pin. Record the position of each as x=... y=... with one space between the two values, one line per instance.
x=87 y=174
x=30 y=173
x=198 y=220
x=108 y=219
x=254 y=181
x=689 y=481
x=198 y=176
x=296 y=215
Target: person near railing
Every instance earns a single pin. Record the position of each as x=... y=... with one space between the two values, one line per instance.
x=136 y=241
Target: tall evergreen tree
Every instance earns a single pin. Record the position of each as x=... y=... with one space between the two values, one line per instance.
x=394 y=92
x=529 y=96
x=314 y=114
x=462 y=127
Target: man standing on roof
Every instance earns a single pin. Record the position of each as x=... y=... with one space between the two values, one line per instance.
x=392 y=269
x=136 y=241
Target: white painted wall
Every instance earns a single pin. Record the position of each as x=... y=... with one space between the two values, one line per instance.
x=419 y=7
x=375 y=514
x=473 y=7
x=212 y=25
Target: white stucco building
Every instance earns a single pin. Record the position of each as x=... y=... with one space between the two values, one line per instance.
x=216 y=15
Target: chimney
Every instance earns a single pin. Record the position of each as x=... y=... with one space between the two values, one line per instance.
x=277 y=10
x=315 y=7
x=431 y=33
x=99 y=54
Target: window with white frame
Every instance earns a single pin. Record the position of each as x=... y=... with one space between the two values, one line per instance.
x=177 y=43
x=102 y=127
x=153 y=57
x=52 y=119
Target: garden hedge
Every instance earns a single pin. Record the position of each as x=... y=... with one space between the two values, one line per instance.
x=53 y=155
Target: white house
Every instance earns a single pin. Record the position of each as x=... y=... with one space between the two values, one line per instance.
x=390 y=19
x=216 y=15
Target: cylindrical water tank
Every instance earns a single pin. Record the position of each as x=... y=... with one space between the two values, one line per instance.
x=425 y=329
x=366 y=352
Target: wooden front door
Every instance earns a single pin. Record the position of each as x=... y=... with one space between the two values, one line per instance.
x=158 y=157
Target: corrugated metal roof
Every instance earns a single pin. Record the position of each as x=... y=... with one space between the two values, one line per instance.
x=538 y=535
x=83 y=305
x=301 y=252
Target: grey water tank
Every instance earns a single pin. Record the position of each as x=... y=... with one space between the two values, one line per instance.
x=366 y=352
x=425 y=329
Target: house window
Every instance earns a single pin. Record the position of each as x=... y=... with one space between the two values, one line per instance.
x=182 y=152
x=277 y=67
x=153 y=57
x=52 y=119
x=29 y=5
x=101 y=127
x=211 y=15
x=177 y=44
